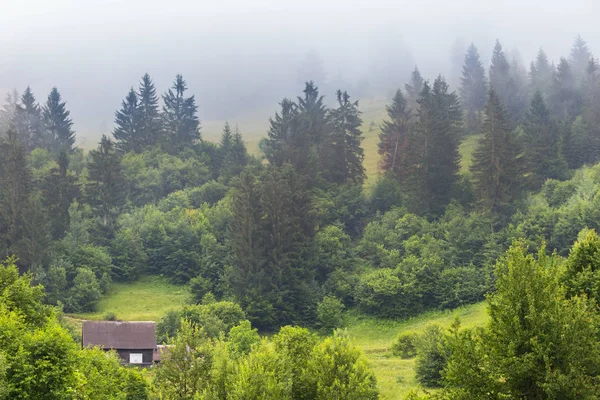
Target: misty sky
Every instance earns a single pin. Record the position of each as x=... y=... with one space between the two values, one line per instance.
x=240 y=57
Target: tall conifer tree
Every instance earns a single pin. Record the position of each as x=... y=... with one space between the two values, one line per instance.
x=344 y=156
x=58 y=123
x=541 y=74
x=580 y=58
x=127 y=132
x=28 y=122
x=149 y=122
x=496 y=168
x=394 y=135
x=413 y=89
x=542 y=144
x=433 y=159
x=179 y=120
x=473 y=89
x=105 y=190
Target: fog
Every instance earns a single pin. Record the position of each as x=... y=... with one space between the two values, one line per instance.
x=241 y=57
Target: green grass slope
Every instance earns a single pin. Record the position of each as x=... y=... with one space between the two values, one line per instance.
x=147 y=299
x=395 y=376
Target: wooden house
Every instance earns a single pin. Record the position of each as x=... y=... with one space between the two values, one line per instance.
x=135 y=342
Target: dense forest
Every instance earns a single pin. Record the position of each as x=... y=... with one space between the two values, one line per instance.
x=289 y=238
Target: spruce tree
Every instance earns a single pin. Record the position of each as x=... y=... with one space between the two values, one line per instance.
x=565 y=100
x=580 y=58
x=433 y=159
x=59 y=190
x=313 y=130
x=149 y=122
x=542 y=144
x=473 y=89
x=344 y=155
x=105 y=190
x=15 y=191
x=496 y=168
x=541 y=74
x=127 y=132
x=233 y=152
x=8 y=111
x=413 y=89
x=179 y=119
x=57 y=123
x=394 y=135
x=505 y=82
x=28 y=122
x=279 y=145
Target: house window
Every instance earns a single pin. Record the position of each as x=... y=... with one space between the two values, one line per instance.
x=135 y=358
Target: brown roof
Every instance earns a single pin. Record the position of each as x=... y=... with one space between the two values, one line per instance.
x=119 y=334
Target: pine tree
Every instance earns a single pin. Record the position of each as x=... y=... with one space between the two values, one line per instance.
x=180 y=122
x=473 y=89
x=506 y=83
x=57 y=123
x=313 y=131
x=279 y=145
x=393 y=138
x=541 y=74
x=8 y=111
x=149 y=123
x=15 y=191
x=59 y=190
x=542 y=144
x=234 y=155
x=433 y=159
x=565 y=100
x=344 y=155
x=28 y=123
x=496 y=165
x=413 y=89
x=105 y=190
x=127 y=132
x=580 y=58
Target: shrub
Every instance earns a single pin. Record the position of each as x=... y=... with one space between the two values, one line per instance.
x=405 y=345
x=432 y=356
x=330 y=313
x=110 y=316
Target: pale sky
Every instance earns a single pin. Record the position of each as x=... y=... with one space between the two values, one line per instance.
x=238 y=55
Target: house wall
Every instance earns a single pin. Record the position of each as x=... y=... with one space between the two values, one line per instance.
x=146 y=355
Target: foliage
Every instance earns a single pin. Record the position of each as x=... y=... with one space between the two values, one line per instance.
x=405 y=345
x=330 y=314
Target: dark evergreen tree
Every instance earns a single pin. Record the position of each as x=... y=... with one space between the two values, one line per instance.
x=28 y=123
x=8 y=111
x=127 y=132
x=59 y=189
x=413 y=89
x=433 y=159
x=179 y=120
x=565 y=100
x=473 y=89
x=542 y=144
x=279 y=146
x=580 y=58
x=505 y=83
x=541 y=74
x=57 y=123
x=233 y=152
x=271 y=237
x=394 y=135
x=15 y=191
x=105 y=190
x=496 y=167
x=312 y=133
x=343 y=155
x=149 y=123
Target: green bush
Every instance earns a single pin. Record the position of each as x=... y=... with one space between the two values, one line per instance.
x=110 y=316
x=330 y=313
x=405 y=345
x=432 y=356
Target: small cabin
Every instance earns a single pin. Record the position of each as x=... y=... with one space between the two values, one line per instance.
x=135 y=342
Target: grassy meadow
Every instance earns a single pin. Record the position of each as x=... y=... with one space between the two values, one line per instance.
x=147 y=299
